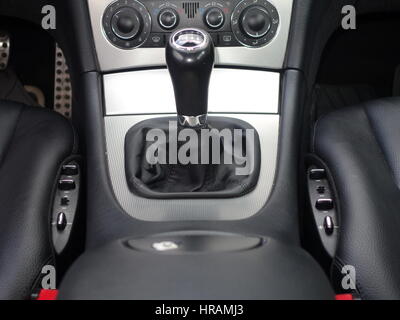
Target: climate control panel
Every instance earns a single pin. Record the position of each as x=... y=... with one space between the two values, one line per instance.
x=129 y=24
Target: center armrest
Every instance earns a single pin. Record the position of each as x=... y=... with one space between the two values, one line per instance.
x=201 y=265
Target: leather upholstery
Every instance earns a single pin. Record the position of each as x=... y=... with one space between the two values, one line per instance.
x=33 y=144
x=334 y=97
x=361 y=148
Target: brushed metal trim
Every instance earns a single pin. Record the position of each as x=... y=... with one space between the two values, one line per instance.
x=112 y=58
x=145 y=209
x=230 y=91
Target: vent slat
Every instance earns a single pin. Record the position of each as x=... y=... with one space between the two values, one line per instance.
x=191 y=9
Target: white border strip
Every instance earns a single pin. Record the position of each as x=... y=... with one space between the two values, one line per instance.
x=231 y=91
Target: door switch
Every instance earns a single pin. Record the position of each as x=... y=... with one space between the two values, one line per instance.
x=64 y=201
x=61 y=221
x=66 y=184
x=69 y=170
x=65 y=205
x=323 y=209
x=317 y=174
x=329 y=225
x=324 y=204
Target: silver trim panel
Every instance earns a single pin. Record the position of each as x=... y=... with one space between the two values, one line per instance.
x=243 y=207
x=112 y=58
x=231 y=91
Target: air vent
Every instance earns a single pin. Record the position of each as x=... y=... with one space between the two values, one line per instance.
x=191 y=9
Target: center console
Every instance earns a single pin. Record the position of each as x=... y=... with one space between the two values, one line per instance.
x=164 y=233
x=133 y=35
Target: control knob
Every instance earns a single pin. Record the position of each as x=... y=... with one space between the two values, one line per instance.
x=214 y=18
x=168 y=19
x=255 y=21
x=255 y=24
x=126 y=23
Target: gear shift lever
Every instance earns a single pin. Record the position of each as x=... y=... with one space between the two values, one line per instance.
x=190 y=59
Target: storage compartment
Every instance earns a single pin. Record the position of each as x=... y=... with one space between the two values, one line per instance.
x=196 y=265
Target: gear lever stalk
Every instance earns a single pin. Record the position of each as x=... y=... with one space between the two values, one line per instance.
x=190 y=59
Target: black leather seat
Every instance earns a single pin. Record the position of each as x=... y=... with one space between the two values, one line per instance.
x=361 y=147
x=33 y=144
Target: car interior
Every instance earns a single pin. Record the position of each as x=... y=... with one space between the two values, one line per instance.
x=109 y=180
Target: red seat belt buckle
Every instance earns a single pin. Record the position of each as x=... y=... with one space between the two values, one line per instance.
x=345 y=296
x=46 y=294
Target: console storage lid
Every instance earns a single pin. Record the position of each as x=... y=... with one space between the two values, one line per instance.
x=196 y=265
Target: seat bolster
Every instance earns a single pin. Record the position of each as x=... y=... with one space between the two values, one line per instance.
x=384 y=117
x=38 y=142
x=355 y=145
x=9 y=115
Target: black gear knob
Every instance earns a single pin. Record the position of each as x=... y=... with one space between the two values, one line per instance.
x=190 y=59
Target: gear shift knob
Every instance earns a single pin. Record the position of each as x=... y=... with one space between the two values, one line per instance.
x=190 y=59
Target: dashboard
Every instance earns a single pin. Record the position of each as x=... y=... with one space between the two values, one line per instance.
x=246 y=33
x=129 y=24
